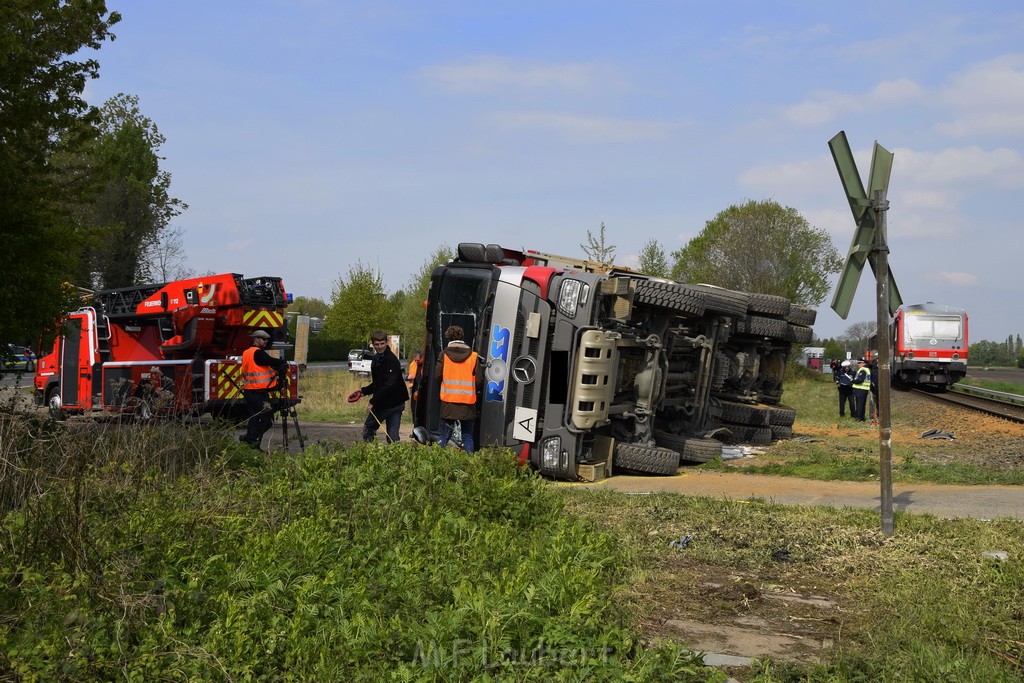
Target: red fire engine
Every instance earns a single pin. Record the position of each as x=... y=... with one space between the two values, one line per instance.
x=193 y=330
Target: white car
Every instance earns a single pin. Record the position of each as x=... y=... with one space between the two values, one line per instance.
x=359 y=361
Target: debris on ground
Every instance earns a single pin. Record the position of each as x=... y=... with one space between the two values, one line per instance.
x=680 y=543
x=733 y=452
x=937 y=434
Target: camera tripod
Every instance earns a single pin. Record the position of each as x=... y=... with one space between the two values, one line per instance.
x=287 y=412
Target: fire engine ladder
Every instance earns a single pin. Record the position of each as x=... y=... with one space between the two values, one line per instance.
x=103 y=335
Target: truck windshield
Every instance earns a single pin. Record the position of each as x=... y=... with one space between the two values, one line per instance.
x=461 y=301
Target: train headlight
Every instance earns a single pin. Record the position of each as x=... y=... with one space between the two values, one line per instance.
x=569 y=297
x=910 y=354
x=956 y=356
x=550 y=453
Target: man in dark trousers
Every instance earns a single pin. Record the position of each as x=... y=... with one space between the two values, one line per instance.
x=844 y=380
x=387 y=390
x=261 y=372
x=461 y=375
x=861 y=388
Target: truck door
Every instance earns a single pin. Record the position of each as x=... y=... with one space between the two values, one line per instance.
x=76 y=362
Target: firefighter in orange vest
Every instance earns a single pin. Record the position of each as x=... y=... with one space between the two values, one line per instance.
x=410 y=377
x=461 y=374
x=261 y=372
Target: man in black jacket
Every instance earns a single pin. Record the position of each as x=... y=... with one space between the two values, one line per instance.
x=387 y=390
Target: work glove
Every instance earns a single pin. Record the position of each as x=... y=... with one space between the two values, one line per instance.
x=355 y=396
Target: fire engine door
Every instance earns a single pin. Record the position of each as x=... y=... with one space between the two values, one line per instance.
x=75 y=363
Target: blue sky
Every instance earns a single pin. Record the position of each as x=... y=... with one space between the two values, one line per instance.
x=309 y=135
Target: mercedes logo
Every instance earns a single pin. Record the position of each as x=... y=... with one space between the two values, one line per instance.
x=524 y=369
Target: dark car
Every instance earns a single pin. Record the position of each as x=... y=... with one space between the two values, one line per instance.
x=17 y=357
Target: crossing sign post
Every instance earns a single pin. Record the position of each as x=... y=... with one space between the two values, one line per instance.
x=870 y=244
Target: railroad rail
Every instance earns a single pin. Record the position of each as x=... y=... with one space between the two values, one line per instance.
x=996 y=403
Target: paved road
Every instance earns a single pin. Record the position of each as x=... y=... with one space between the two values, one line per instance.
x=978 y=502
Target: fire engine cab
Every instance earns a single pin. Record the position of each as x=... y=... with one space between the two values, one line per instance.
x=163 y=348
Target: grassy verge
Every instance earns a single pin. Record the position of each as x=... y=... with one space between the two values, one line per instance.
x=155 y=555
x=851 y=454
x=1006 y=387
x=324 y=395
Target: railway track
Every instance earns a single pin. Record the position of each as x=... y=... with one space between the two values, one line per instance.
x=1008 y=409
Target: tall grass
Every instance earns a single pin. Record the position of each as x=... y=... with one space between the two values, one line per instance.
x=376 y=562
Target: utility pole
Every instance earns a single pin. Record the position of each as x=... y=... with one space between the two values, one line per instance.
x=880 y=205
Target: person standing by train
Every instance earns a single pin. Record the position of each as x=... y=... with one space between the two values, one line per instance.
x=861 y=388
x=844 y=382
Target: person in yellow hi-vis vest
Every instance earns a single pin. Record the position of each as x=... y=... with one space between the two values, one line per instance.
x=861 y=387
x=260 y=373
x=461 y=374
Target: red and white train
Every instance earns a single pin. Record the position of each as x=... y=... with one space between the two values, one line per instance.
x=929 y=344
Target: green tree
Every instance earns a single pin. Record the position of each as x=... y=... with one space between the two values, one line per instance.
x=597 y=248
x=308 y=305
x=652 y=259
x=44 y=67
x=359 y=305
x=761 y=246
x=855 y=338
x=133 y=206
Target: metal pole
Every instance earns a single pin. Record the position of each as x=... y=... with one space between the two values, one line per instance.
x=881 y=248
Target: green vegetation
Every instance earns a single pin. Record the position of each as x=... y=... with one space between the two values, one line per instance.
x=160 y=553
x=849 y=456
x=1006 y=387
x=370 y=563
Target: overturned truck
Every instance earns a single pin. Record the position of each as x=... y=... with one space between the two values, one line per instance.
x=588 y=363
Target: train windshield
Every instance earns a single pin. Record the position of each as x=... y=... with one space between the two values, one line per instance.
x=933 y=327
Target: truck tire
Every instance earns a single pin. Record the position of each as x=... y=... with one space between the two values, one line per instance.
x=781 y=432
x=769 y=304
x=760 y=326
x=53 y=403
x=744 y=414
x=647 y=459
x=799 y=334
x=781 y=415
x=691 y=450
x=671 y=296
x=802 y=315
x=724 y=301
x=754 y=436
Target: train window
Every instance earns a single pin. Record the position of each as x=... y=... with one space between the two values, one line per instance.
x=939 y=327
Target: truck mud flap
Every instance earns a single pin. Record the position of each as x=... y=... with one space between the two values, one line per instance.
x=646 y=459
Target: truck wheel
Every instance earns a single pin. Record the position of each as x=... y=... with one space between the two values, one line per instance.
x=802 y=315
x=781 y=415
x=769 y=304
x=760 y=326
x=799 y=334
x=691 y=450
x=724 y=301
x=53 y=403
x=743 y=414
x=781 y=432
x=638 y=458
x=671 y=296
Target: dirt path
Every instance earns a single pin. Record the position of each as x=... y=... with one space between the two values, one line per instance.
x=979 y=502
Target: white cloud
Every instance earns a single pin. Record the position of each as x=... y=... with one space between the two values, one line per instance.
x=825 y=106
x=959 y=279
x=585 y=129
x=960 y=166
x=989 y=97
x=489 y=73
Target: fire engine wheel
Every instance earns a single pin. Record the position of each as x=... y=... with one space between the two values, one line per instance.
x=54 y=405
x=744 y=414
x=672 y=296
x=724 y=301
x=638 y=458
x=691 y=450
